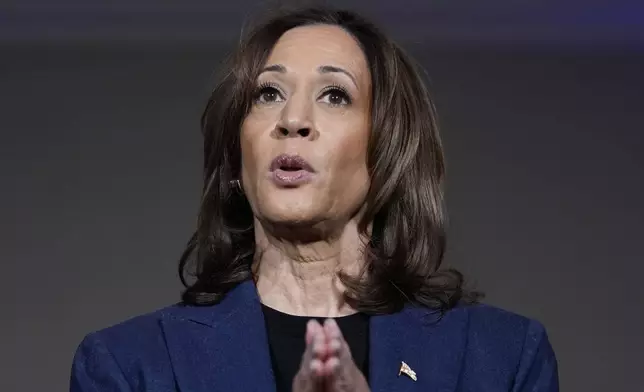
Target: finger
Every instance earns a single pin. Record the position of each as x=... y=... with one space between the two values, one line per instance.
x=331 y=328
x=314 y=341
x=318 y=350
x=344 y=376
x=319 y=345
x=312 y=328
x=316 y=370
x=308 y=376
x=334 y=347
x=336 y=343
x=331 y=367
x=341 y=372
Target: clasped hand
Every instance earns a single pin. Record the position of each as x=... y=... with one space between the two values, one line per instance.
x=327 y=364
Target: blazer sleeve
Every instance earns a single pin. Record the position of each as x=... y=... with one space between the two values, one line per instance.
x=538 y=370
x=94 y=369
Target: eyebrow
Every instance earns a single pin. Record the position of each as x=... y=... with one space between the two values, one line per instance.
x=332 y=69
x=321 y=69
x=274 y=68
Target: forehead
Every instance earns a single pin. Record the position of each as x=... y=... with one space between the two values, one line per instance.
x=307 y=47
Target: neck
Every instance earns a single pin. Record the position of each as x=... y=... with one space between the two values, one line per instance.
x=300 y=277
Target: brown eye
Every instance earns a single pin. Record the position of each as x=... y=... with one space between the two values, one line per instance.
x=336 y=97
x=268 y=94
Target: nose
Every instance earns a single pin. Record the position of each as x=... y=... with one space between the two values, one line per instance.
x=293 y=131
x=295 y=120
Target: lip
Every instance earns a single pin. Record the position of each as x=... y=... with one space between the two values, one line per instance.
x=291 y=161
x=290 y=170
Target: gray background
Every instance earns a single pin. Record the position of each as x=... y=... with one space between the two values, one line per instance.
x=541 y=112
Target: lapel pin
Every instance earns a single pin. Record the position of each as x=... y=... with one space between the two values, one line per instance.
x=404 y=368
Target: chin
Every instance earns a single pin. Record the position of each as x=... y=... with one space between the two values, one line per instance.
x=293 y=216
x=300 y=210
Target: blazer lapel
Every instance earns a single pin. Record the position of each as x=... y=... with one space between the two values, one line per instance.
x=225 y=347
x=433 y=347
x=220 y=348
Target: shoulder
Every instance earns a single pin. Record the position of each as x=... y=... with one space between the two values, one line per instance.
x=144 y=334
x=144 y=329
x=496 y=324
x=498 y=330
x=138 y=334
x=503 y=344
x=110 y=355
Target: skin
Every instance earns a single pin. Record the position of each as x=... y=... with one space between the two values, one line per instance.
x=306 y=234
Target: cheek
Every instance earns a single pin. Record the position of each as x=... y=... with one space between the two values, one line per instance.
x=251 y=144
x=350 y=172
x=351 y=144
x=250 y=162
x=247 y=153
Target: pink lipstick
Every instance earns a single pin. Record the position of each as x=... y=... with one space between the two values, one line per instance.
x=290 y=170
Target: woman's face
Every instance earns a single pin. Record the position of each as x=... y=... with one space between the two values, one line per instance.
x=304 y=142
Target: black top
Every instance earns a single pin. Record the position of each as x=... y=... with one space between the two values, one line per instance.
x=286 y=341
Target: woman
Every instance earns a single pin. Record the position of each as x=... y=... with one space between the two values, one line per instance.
x=319 y=241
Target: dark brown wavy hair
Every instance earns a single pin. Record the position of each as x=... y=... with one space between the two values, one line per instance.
x=405 y=160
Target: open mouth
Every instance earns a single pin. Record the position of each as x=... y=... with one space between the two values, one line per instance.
x=294 y=166
x=290 y=163
x=290 y=171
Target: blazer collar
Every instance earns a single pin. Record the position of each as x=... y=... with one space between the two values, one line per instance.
x=225 y=347
x=220 y=348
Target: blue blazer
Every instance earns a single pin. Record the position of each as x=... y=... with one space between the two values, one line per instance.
x=224 y=348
